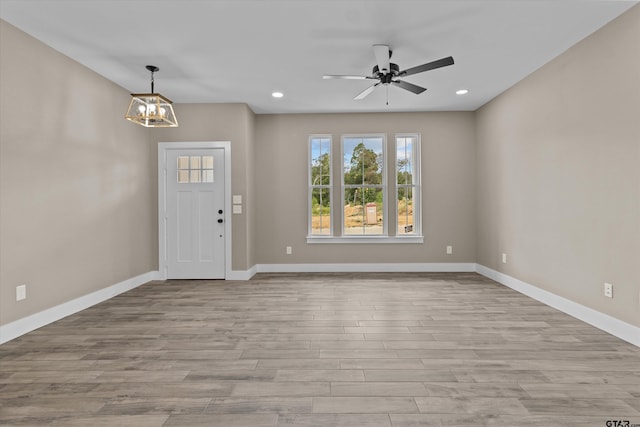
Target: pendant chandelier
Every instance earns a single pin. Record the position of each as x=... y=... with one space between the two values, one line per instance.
x=151 y=109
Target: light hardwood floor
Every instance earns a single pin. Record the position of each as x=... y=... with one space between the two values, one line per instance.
x=320 y=350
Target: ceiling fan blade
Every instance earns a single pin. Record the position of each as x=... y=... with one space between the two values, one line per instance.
x=365 y=92
x=327 y=77
x=381 y=51
x=408 y=86
x=428 y=66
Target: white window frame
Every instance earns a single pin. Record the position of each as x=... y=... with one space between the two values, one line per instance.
x=385 y=198
x=417 y=192
x=388 y=168
x=311 y=187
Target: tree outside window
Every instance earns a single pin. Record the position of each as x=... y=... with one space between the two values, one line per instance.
x=363 y=185
x=364 y=192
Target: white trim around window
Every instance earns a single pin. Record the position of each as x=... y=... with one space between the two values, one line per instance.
x=382 y=186
x=413 y=158
x=389 y=171
x=320 y=145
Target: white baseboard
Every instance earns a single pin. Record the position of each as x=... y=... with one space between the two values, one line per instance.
x=30 y=323
x=242 y=274
x=368 y=267
x=615 y=327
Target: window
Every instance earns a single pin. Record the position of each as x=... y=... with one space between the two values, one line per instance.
x=407 y=185
x=320 y=185
x=363 y=185
x=379 y=190
x=195 y=169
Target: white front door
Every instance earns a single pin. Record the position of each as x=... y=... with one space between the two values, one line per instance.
x=195 y=213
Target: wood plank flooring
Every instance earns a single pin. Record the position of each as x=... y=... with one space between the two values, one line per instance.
x=392 y=350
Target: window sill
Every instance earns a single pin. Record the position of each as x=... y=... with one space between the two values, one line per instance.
x=364 y=239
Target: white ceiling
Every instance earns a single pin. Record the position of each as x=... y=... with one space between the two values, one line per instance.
x=243 y=50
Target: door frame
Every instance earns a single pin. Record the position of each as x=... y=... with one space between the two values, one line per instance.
x=163 y=148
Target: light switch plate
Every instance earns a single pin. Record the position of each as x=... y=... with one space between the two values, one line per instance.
x=608 y=290
x=237 y=209
x=237 y=199
x=21 y=292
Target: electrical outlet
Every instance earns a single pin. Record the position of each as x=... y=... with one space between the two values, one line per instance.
x=504 y=258
x=449 y=250
x=289 y=250
x=608 y=290
x=21 y=292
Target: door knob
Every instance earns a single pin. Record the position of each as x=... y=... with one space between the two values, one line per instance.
x=220 y=211
x=220 y=220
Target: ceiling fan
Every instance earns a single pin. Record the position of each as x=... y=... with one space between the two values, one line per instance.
x=388 y=73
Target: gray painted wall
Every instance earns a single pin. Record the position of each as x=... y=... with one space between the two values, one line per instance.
x=75 y=199
x=559 y=174
x=448 y=171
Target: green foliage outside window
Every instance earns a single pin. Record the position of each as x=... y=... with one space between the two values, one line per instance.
x=365 y=168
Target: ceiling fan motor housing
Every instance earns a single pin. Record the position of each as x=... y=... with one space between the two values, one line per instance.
x=386 y=78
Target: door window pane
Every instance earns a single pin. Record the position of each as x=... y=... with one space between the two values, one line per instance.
x=207 y=162
x=183 y=162
x=195 y=169
x=183 y=176
x=195 y=162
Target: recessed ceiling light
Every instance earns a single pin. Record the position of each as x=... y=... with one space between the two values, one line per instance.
x=277 y=94
x=462 y=92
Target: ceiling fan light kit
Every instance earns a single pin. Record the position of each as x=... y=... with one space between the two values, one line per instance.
x=151 y=109
x=387 y=73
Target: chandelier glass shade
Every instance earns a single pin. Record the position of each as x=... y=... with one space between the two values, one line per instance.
x=151 y=109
